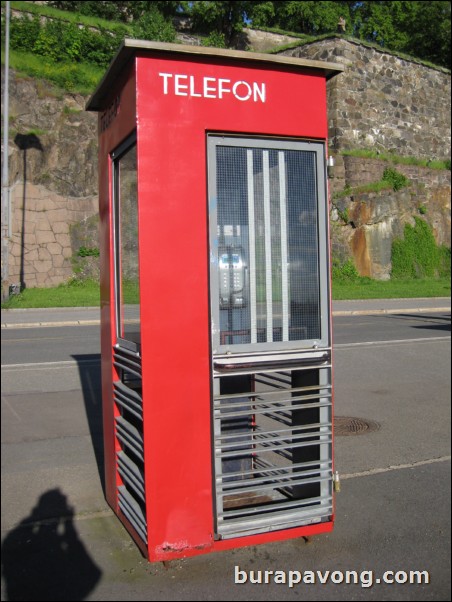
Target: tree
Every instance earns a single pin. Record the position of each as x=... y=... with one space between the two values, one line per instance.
x=226 y=18
x=421 y=29
x=311 y=18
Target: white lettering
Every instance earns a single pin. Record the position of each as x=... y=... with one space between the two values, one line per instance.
x=239 y=575
x=166 y=77
x=257 y=578
x=192 y=87
x=293 y=578
x=259 y=92
x=180 y=89
x=366 y=578
x=207 y=89
x=223 y=90
x=242 y=85
x=337 y=576
x=323 y=577
x=210 y=87
x=401 y=577
x=280 y=577
x=349 y=575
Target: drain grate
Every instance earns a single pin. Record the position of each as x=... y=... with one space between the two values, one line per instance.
x=349 y=425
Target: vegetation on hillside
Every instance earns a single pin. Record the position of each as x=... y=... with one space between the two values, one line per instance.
x=418 y=28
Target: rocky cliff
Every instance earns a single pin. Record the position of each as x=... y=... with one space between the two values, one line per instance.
x=53 y=179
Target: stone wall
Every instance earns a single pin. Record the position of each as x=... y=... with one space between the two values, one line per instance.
x=53 y=178
x=384 y=102
x=41 y=252
x=390 y=105
x=379 y=102
x=364 y=225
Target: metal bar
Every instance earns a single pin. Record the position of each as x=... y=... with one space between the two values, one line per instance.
x=252 y=246
x=268 y=245
x=132 y=511
x=269 y=407
x=284 y=255
x=129 y=436
x=260 y=490
x=131 y=474
x=266 y=466
x=272 y=448
x=284 y=505
x=296 y=516
x=267 y=435
x=282 y=390
x=6 y=202
x=321 y=502
x=283 y=479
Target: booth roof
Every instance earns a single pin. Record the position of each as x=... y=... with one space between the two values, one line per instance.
x=130 y=48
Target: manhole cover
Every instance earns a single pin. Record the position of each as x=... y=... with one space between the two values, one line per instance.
x=348 y=425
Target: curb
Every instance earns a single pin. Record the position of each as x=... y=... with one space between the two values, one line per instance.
x=337 y=313
x=375 y=312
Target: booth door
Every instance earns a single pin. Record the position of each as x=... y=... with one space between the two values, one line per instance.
x=271 y=363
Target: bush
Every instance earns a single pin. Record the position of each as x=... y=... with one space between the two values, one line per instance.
x=344 y=272
x=417 y=255
x=395 y=178
x=61 y=41
x=153 y=26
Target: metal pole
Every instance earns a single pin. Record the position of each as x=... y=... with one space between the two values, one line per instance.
x=5 y=169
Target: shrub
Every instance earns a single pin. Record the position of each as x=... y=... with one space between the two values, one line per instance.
x=344 y=272
x=395 y=178
x=417 y=255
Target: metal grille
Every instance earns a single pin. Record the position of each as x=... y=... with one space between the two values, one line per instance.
x=265 y=242
x=129 y=434
x=273 y=439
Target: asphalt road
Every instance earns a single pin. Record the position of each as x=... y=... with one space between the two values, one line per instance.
x=64 y=343
x=393 y=513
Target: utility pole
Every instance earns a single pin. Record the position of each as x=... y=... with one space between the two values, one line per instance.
x=6 y=218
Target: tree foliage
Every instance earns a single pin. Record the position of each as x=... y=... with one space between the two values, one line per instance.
x=421 y=29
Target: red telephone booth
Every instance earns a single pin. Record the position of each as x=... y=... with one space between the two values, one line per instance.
x=215 y=297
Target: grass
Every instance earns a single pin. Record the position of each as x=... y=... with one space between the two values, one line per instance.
x=69 y=16
x=87 y=294
x=80 y=78
x=397 y=159
x=365 y=288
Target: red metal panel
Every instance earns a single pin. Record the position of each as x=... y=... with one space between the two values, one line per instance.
x=115 y=123
x=161 y=553
x=178 y=101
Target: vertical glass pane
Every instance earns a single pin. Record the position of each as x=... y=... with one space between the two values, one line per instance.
x=303 y=245
x=127 y=268
x=268 y=244
x=233 y=245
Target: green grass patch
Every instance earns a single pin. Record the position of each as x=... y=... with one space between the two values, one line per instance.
x=80 y=78
x=71 y=17
x=87 y=294
x=397 y=159
x=365 y=288
x=73 y=294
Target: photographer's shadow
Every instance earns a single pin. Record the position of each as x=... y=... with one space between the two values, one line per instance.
x=43 y=557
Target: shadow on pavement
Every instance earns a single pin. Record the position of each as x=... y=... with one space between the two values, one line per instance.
x=43 y=557
x=91 y=385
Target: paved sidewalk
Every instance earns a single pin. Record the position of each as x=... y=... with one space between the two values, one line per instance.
x=74 y=316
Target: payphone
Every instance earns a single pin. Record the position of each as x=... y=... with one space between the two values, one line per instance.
x=217 y=358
